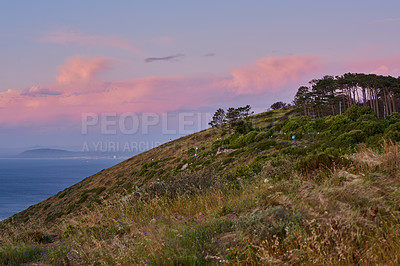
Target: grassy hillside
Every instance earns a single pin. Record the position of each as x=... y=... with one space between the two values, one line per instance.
x=328 y=196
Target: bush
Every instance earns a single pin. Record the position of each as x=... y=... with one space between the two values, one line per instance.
x=238 y=142
x=291 y=125
x=234 y=153
x=393 y=132
x=250 y=137
x=355 y=112
x=368 y=117
x=371 y=127
x=266 y=145
x=261 y=136
x=350 y=138
x=337 y=122
x=241 y=126
x=393 y=118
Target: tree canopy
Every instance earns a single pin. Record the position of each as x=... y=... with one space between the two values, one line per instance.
x=333 y=95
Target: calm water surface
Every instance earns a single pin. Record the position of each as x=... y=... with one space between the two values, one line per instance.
x=25 y=182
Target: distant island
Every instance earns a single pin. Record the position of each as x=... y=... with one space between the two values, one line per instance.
x=48 y=153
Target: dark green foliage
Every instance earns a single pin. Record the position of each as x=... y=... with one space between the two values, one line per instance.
x=70 y=208
x=351 y=138
x=83 y=198
x=354 y=112
x=241 y=126
x=99 y=190
x=266 y=145
x=393 y=132
x=237 y=142
x=290 y=125
x=368 y=117
x=261 y=136
x=235 y=153
x=337 y=122
x=219 y=118
x=371 y=127
x=278 y=105
x=249 y=137
x=392 y=119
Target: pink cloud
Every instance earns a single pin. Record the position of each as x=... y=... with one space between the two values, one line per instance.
x=79 y=69
x=76 y=37
x=380 y=66
x=272 y=73
x=78 y=89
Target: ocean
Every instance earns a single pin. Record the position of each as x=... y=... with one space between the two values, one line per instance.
x=25 y=182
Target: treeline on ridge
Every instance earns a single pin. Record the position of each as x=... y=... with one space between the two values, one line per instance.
x=332 y=95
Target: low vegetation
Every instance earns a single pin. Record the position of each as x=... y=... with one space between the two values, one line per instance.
x=284 y=189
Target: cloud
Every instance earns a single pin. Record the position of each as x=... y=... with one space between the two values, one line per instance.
x=389 y=20
x=209 y=55
x=166 y=58
x=36 y=91
x=80 y=69
x=273 y=73
x=78 y=89
x=79 y=38
x=380 y=66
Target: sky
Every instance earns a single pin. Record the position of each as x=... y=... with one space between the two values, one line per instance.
x=76 y=74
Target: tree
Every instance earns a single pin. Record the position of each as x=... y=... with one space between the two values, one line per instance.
x=219 y=118
x=278 y=105
x=232 y=114
x=244 y=112
x=302 y=98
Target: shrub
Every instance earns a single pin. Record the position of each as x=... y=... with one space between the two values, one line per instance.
x=291 y=125
x=393 y=118
x=393 y=132
x=241 y=126
x=99 y=190
x=350 y=138
x=337 y=122
x=249 y=137
x=238 y=142
x=234 y=153
x=265 y=145
x=371 y=127
x=355 y=112
x=261 y=136
x=368 y=117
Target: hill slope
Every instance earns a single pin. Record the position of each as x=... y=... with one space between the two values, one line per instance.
x=291 y=189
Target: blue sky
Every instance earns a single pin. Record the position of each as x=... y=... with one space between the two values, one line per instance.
x=63 y=59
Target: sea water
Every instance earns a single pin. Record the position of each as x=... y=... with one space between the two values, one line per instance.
x=25 y=182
